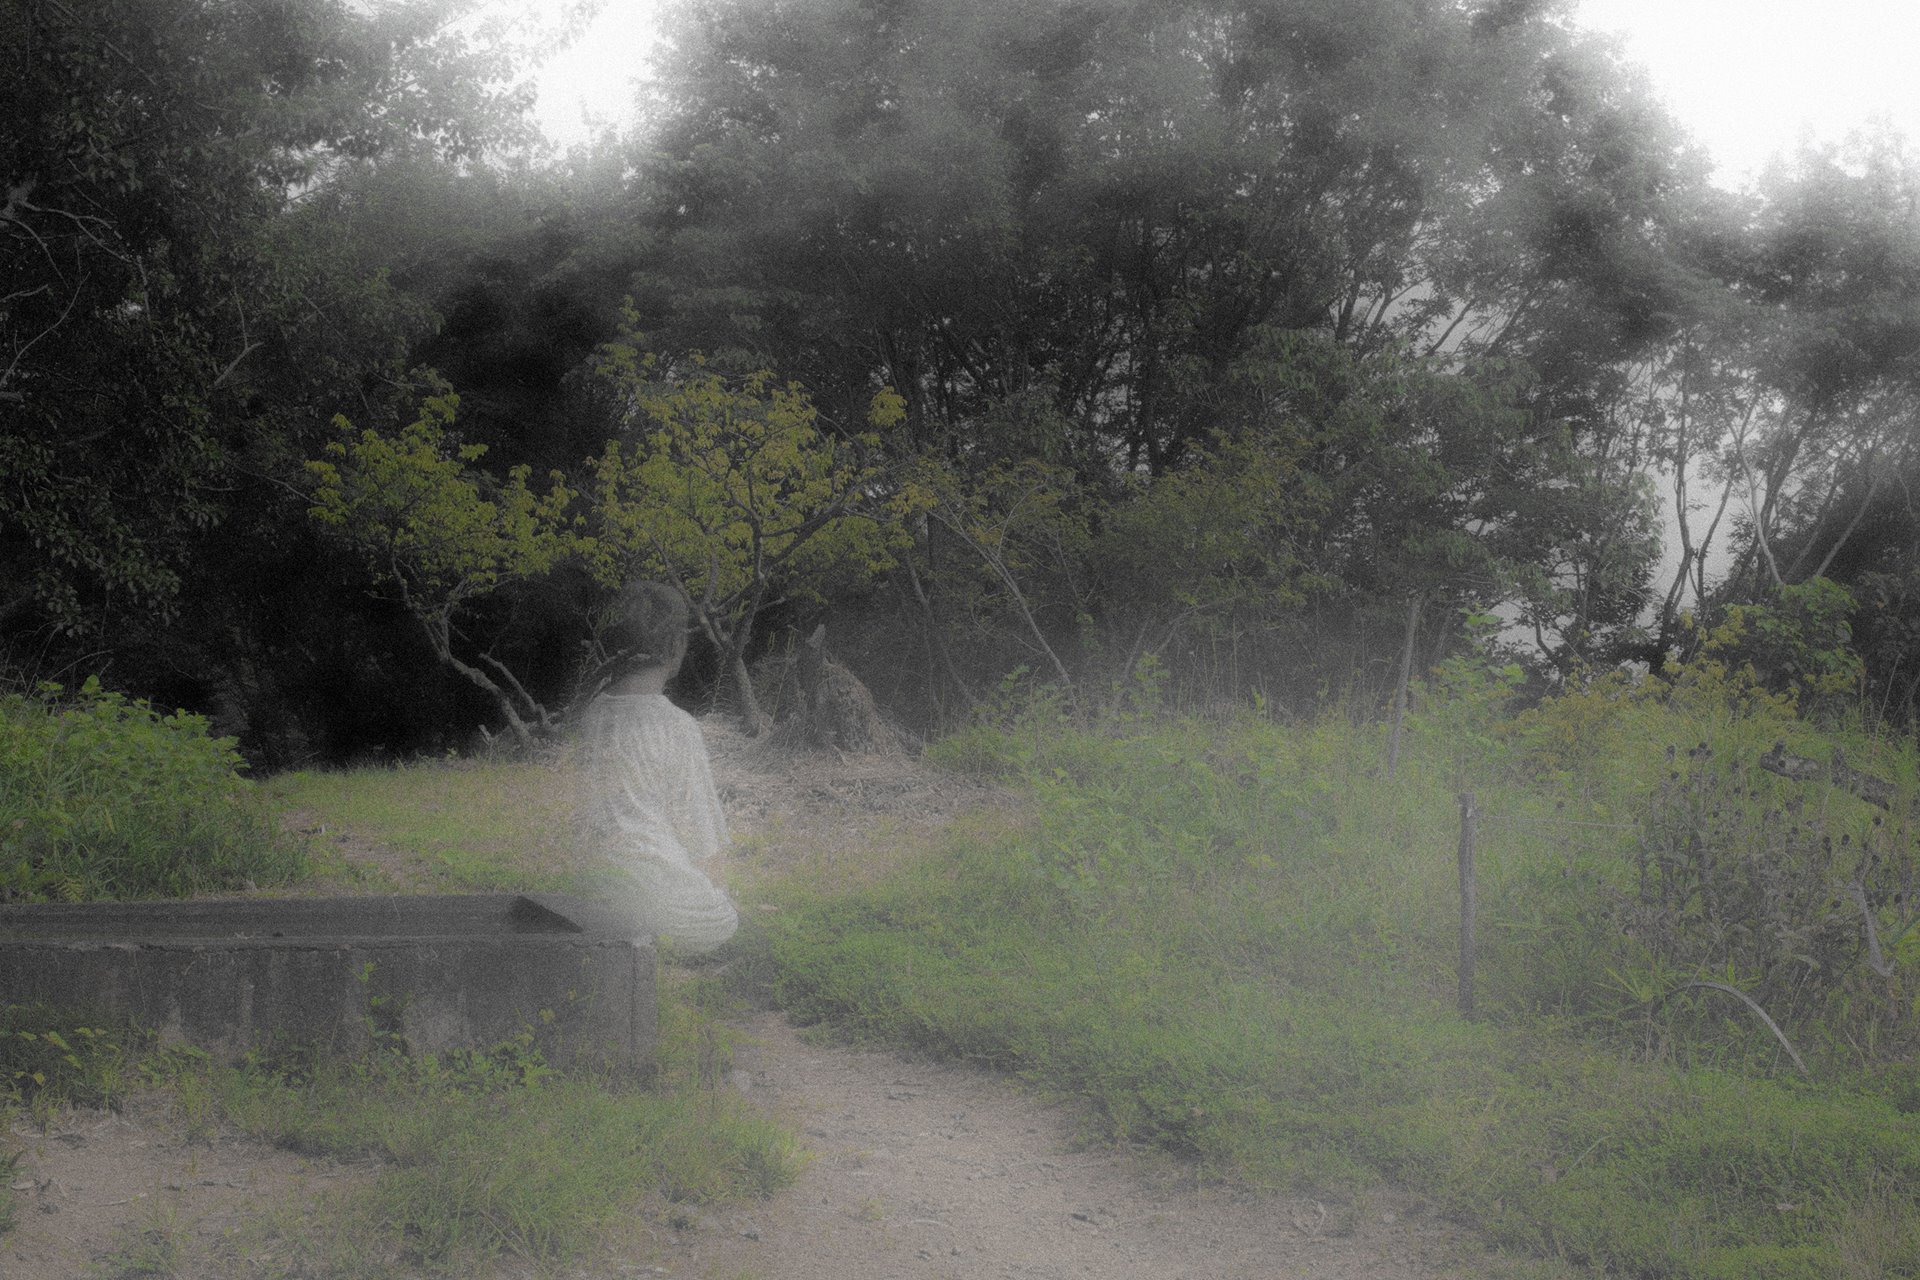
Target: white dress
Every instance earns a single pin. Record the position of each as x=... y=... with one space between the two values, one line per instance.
x=649 y=809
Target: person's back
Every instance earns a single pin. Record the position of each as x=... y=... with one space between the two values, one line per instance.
x=649 y=807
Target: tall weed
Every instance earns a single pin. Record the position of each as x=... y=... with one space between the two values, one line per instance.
x=51 y=1058
x=1720 y=871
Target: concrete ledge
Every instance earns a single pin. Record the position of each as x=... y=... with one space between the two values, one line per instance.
x=431 y=973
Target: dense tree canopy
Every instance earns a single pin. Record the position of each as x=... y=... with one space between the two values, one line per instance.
x=1243 y=334
x=1111 y=235
x=154 y=159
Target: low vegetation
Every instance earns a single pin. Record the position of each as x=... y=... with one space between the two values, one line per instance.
x=448 y=827
x=475 y=1156
x=102 y=797
x=489 y=1155
x=1239 y=942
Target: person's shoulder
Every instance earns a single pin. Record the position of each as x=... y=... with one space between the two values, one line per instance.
x=594 y=714
x=681 y=716
x=657 y=709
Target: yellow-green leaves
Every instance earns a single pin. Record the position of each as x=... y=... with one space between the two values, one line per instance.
x=724 y=483
x=427 y=521
x=729 y=487
x=440 y=533
x=889 y=409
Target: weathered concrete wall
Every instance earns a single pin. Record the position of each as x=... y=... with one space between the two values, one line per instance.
x=432 y=973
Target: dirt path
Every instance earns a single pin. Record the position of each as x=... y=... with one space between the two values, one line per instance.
x=917 y=1169
x=115 y=1194
x=928 y=1170
x=924 y=1169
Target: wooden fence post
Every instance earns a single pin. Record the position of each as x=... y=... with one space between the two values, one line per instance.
x=1467 y=904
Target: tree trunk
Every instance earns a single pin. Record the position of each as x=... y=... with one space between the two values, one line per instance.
x=443 y=649
x=733 y=664
x=836 y=709
x=752 y=719
x=936 y=634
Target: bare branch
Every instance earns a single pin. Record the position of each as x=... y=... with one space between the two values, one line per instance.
x=1759 y=509
x=1853 y=525
x=25 y=293
x=1876 y=959
x=6 y=375
x=1758 y=1012
x=535 y=708
x=247 y=347
x=997 y=563
x=1873 y=790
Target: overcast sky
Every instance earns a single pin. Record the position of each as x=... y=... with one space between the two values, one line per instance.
x=1747 y=77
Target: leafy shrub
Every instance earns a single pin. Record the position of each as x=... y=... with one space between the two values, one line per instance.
x=101 y=797
x=1799 y=643
x=1720 y=872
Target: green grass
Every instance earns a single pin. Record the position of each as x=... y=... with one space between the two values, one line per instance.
x=481 y=1159
x=1238 y=943
x=1234 y=942
x=448 y=827
x=150 y=1247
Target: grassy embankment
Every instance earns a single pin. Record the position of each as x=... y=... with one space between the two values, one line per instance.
x=1239 y=942
x=436 y=827
x=472 y=1157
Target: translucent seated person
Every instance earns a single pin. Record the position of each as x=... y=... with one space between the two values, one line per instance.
x=648 y=808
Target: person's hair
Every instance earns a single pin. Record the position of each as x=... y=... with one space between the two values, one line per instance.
x=649 y=627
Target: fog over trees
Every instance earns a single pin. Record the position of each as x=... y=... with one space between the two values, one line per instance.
x=1242 y=344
